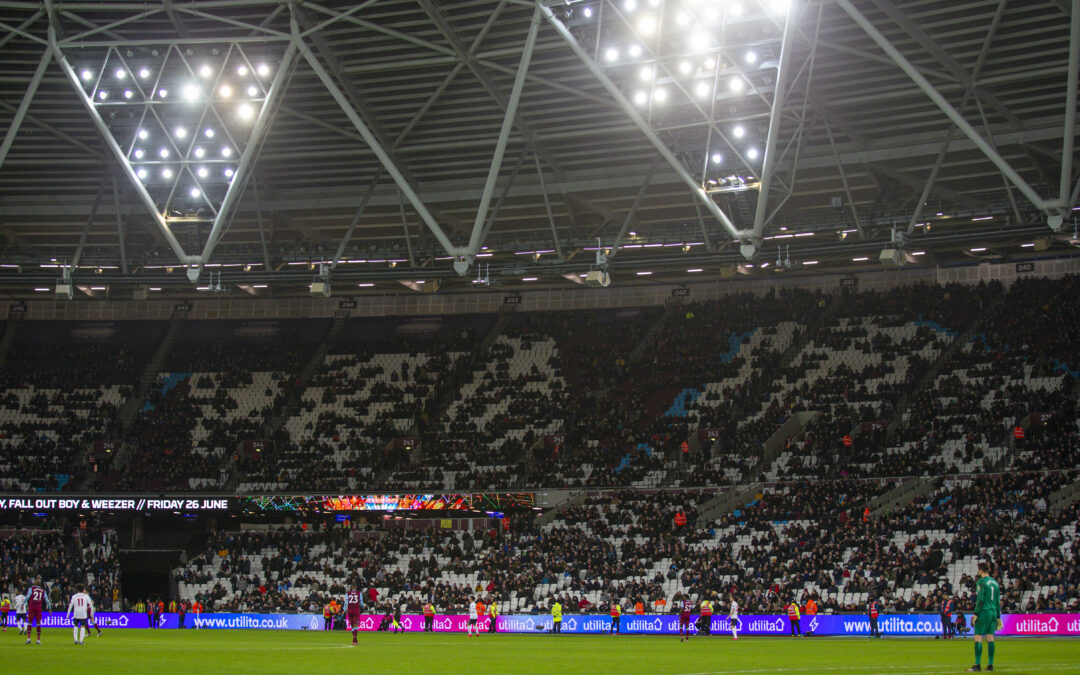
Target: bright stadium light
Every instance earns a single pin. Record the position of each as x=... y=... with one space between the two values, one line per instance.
x=163 y=93
x=242 y=71
x=245 y=111
x=641 y=98
x=646 y=73
x=702 y=89
x=685 y=67
x=191 y=92
x=263 y=70
x=660 y=95
x=203 y=172
x=144 y=134
x=587 y=12
x=647 y=25
x=226 y=151
x=139 y=153
x=209 y=133
x=630 y=5
x=682 y=19
x=752 y=153
x=739 y=131
x=128 y=93
x=709 y=63
x=717 y=158
x=199 y=152
x=141 y=173
x=634 y=51
x=206 y=71
x=166 y=172
x=228 y=173
x=699 y=40
x=611 y=54
x=225 y=91
x=736 y=84
x=120 y=73
x=103 y=94
x=751 y=57
x=195 y=192
x=735 y=9
x=164 y=153
x=87 y=75
x=181 y=132
x=252 y=91
x=144 y=73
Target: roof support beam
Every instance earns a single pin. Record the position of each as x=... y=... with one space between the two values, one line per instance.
x=547 y=207
x=504 y=134
x=1070 y=101
x=955 y=67
x=356 y=219
x=844 y=180
x=89 y=222
x=247 y=159
x=259 y=222
x=465 y=55
x=641 y=124
x=775 y=120
x=632 y=213
x=119 y=223
x=114 y=147
x=383 y=156
x=946 y=107
x=24 y=105
x=405 y=226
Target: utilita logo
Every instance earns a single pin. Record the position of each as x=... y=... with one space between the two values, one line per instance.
x=1037 y=626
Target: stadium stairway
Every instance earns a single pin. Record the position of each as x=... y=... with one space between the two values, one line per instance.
x=726 y=502
x=791 y=427
x=11 y=327
x=1065 y=497
x=147 y=378
x=658 y=325
x=930 y=376
x=901 y=495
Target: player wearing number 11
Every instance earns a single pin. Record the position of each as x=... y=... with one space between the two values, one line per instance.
x=987 y=616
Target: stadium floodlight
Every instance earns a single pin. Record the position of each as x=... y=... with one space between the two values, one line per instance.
x=191 y=92
x=120 y=73
x=139 y=153
x=703 y=89
x=646 y=73
x=660 y=95
x=164 y=152
x=685 y=67
x=751 y=57
x=199 y=152
x=209 y=133
x=103 y=94
x=144 y=134
x=641 y=98
x=682 y=18
x=229 y=173
x=647 y=25
x=195 y=192
x=225 y=91
x=242 y=71
x=587 y=12
x=205 y=71
x=739 y=131
x=226 y=151
x=634 y=51
x=144 y=73
x=780 y=6
x=709 y=63
x=166 y=172
x=736 y=84
x=263 y=70
x=87 y=75
x=699 y=40
x=611 y=54
x=735 y=9
x=630 y=5
x=203 y=173
x=180 y=132
x=245 y=111
x=163 y=93
x=752 y=153
x=128 y=93
x=252 y=91
x=141 y=173
x=717 y=158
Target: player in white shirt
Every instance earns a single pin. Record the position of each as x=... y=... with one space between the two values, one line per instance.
x=733 y=617
x=471 y=628
x=20 y=612
x=80 y=609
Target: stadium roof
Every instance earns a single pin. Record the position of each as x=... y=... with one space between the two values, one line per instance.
x=368 y=133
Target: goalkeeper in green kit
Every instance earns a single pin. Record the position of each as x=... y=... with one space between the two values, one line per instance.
x=987 y=616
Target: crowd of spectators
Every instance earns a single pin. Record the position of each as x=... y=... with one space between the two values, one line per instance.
x=62 y=557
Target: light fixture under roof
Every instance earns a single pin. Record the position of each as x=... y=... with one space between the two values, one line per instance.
x=144 y=134
x=205 y=71
x=141 y=173
x=611 y=54
x=191 y=92
x=245 y=111
x=738 y=131
x=225 y=91
x=641 y=98
x=209 y=133
x=164 y=153
x=660 y=95
x=226 y=151
x=180 y=132
x=139 y=153
x=751 y=57
x=128 y=93
x=87 y=75
x=120 y=73
x=717 y=158
x=103 y=94
x=199 y=152
x=643 y=274
x=252 y=91
x=242 y=71
x=144 y=73
x=195 y=192
x=228 y=173
x=736 y=84
x=166 y=172
x=645 y=73
x=634 y=51
x=752 y=153
x=203 y=172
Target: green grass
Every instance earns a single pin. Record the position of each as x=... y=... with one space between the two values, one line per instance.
x=214 y=652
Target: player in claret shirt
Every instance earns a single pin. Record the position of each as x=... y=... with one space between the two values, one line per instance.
x=36 y=600
x=685 y=609
x=354 y=604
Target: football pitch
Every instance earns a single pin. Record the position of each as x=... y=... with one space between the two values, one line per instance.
x=214 y=652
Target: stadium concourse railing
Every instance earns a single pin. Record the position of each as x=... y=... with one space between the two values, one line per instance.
x=618 y=295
